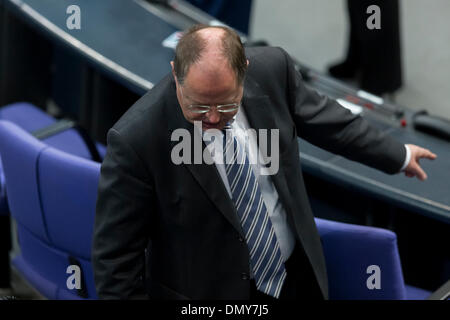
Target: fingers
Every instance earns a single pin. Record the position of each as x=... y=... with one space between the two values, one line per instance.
x=425 y=153
x=414 y=169
x=419 y=152
x=420 y=173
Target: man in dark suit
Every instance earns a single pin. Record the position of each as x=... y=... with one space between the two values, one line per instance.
x=227 y=229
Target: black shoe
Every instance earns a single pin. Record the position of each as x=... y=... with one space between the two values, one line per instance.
x=344 y=70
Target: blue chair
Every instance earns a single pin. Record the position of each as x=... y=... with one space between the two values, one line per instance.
x=31 y=119
x=52 y=197
x=350 y=249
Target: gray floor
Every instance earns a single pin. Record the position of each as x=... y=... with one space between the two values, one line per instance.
x=20 y=289
x=315 y=32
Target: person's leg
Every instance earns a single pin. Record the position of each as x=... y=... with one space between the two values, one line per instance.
x=5 y=247
x=349 y=67
x=302 y=283
x=381 y=68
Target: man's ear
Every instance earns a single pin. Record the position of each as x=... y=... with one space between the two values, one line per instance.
x=248 y=62
x=173 y=70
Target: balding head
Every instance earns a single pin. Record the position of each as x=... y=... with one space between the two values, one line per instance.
x=214 y=48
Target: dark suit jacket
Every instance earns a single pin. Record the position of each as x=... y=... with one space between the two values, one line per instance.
x=197 y=246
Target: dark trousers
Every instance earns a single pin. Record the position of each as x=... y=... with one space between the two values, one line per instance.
x=5 y=246
x=376 y=53
x=300 y=282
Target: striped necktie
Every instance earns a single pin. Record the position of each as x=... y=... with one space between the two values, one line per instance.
x=265 y=254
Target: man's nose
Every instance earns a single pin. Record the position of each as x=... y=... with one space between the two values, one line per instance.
x=213 y=116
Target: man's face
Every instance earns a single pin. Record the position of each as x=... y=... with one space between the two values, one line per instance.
x=213 y=86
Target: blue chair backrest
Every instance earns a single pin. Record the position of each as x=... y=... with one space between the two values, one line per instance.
x=68 y=188
x=350 y=250
x=31 y=118
x=57 y=205
x=20 y=152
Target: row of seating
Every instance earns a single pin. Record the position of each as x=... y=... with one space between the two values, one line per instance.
x=51 y=194
x=51 y=191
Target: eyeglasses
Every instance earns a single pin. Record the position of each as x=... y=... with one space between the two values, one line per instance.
x=202 y=109
x=224 y=108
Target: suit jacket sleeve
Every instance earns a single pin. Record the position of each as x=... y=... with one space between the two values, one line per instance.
x=121 y=225
x=323 y=122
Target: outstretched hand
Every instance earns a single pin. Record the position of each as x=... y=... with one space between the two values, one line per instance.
x=413 y=169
